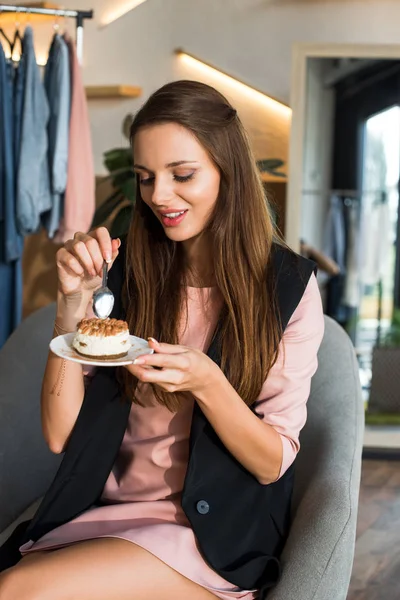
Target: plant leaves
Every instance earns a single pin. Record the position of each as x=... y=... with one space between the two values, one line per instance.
x=128 y=189
x=119 y=163
x=270 y=164
x=391 y=337
x=121 y=222
x=125 y=181
x=122 y=178
x=117 y=158
x=127 y=171
x=106 y=208
x=276 y=173
x=126 y=125
x=115 y=153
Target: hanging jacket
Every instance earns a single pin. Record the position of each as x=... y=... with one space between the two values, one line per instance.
x=33 y=190
x=57 y=83
x=240 y=525
x=11 y=244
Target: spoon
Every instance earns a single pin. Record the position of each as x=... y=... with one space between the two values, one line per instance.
x=103 y=298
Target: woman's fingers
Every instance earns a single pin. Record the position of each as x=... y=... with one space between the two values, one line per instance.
x=170 y=370
x=163 y=378
x=166 y=348
x=103 y=237
x=92 y=246
x=69 y=263
x=99 y=245
x=81 y=260
x=115 y=244
x=179 y=361
x=94 y=250
x=79 y=249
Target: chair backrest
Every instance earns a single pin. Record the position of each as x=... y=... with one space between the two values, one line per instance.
x=318 y=557
x=26 y=464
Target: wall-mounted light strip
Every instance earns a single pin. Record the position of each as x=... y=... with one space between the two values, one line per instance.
x=236 y=85
x=123 y=7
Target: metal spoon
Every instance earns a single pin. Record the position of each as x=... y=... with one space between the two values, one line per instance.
x=103 y=298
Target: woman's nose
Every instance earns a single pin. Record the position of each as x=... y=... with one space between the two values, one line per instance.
x=162 y=192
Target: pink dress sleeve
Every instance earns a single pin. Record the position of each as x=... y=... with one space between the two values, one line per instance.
x=283 y=398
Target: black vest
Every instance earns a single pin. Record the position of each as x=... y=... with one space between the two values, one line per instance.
x=240 y=525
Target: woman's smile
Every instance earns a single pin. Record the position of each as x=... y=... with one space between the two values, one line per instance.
x=172 y=218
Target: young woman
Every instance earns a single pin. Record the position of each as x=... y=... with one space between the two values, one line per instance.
x=178 y=469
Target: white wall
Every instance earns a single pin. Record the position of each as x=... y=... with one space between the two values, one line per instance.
x=251 y=39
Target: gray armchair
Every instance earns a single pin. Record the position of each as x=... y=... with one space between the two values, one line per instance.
x=318 y=556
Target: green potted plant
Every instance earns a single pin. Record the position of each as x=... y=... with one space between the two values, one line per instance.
x=116 y=210
x=385 y=384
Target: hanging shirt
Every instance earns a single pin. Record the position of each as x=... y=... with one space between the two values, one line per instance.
x=353 y=281
x=377 y=241
x=79 y=203
x=19 y=94
x=33 y=190
x=10 y=241
x=57 y=83
x=335 y=235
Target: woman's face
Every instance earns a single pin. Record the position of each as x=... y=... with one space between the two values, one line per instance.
x=178 y=180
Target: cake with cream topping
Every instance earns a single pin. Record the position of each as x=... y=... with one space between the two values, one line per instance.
x=102 y=338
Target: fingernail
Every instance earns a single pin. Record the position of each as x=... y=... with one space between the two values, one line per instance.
x=108 y=257
x=153 y=340
x=139 y=361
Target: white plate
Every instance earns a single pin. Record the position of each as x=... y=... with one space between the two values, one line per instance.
x=62 y=346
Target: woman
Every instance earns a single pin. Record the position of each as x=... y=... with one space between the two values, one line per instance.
x=183 y=489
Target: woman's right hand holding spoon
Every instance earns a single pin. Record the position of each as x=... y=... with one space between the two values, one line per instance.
x=79 y=268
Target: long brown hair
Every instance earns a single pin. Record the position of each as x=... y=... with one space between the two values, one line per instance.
x=241 y=232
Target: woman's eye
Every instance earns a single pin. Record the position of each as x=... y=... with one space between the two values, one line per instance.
x=146 y=181
x=183 y=178
x=178 y=178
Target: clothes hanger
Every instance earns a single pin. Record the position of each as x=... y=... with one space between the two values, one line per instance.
x=17 y=35
x=5 y=36
x=56 y=26
x=9 y=42
x=59 y=29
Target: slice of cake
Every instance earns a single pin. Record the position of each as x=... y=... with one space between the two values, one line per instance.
x=102 y=338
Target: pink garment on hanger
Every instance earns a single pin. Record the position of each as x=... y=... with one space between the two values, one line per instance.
x=79 y=201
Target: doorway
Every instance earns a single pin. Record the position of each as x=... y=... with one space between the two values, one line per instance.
x=355 y=115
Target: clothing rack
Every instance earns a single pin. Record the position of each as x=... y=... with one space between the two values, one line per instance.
x=356 y=194
x=78 y=15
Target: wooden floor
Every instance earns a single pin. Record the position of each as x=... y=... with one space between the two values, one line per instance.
x=376 y=572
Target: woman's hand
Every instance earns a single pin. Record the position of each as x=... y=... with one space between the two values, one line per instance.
x=80 y=261
x=179 y=368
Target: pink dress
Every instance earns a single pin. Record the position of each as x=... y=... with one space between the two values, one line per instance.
x=142 y=494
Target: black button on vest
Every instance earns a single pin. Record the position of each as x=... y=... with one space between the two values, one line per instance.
x=202 y=507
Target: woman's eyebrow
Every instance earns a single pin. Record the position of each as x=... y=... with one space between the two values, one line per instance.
x=177 y=163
